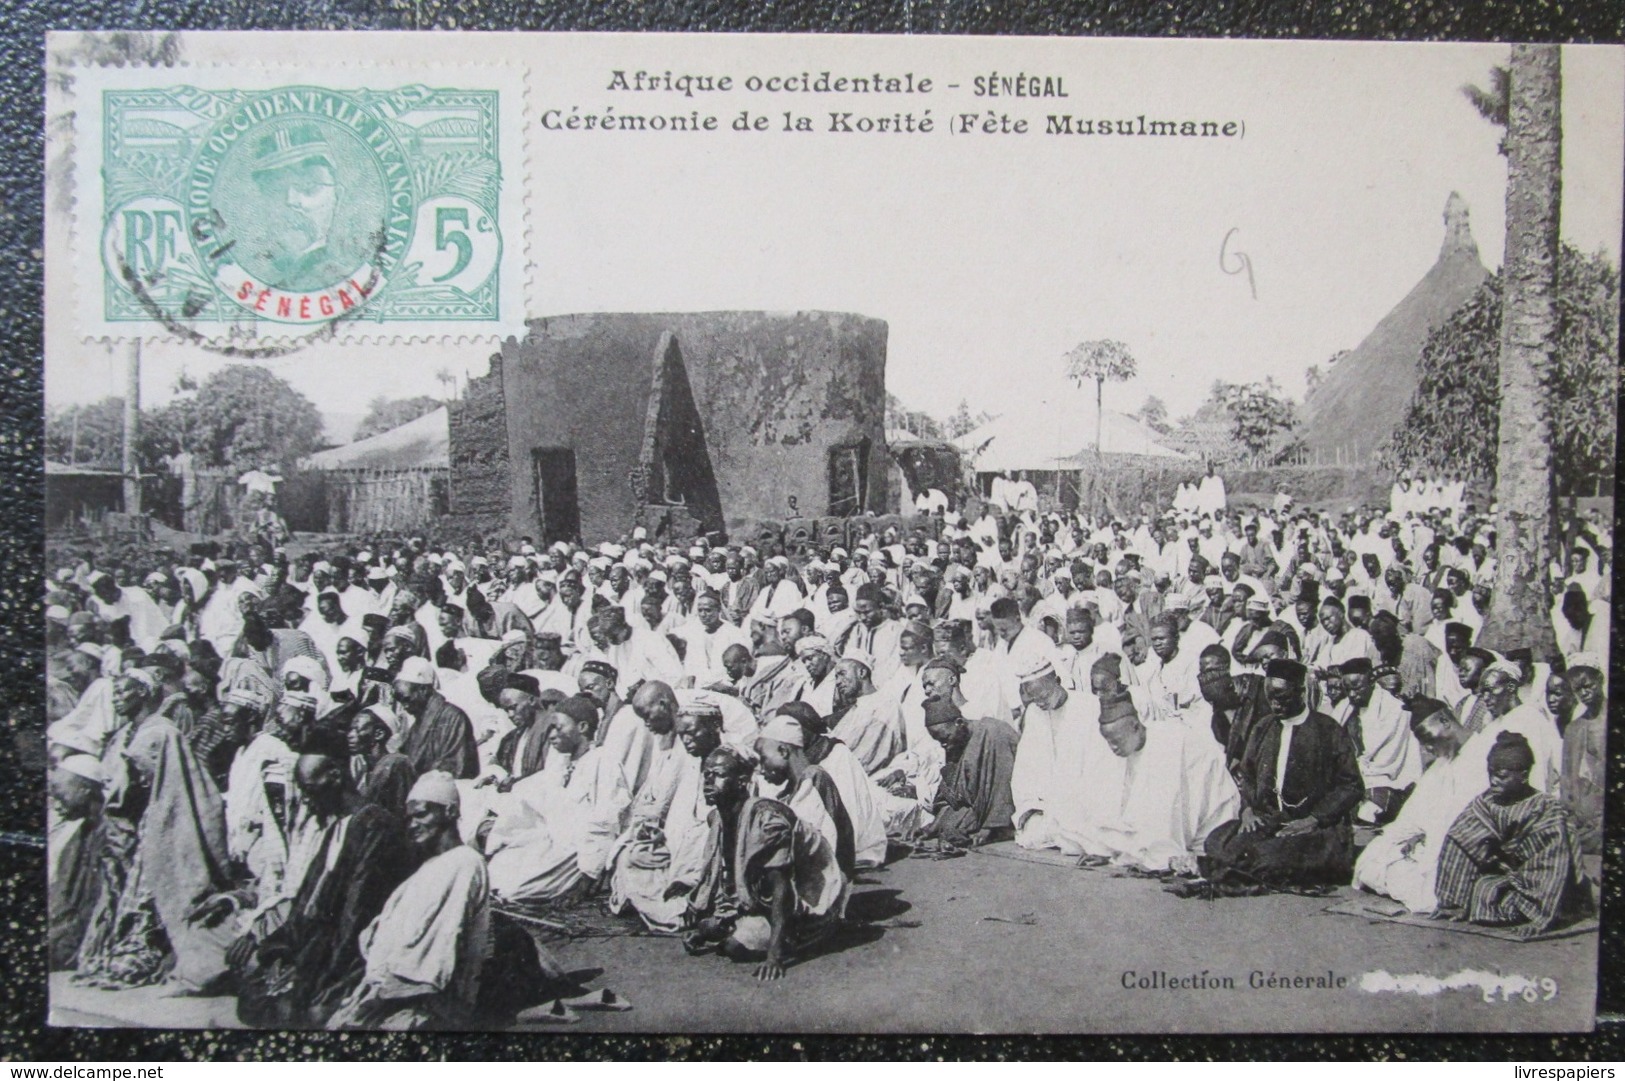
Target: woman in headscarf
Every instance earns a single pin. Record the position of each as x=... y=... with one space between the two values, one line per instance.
x=179 y=859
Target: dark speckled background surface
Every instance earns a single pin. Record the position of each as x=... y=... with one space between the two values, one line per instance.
x=22 y=874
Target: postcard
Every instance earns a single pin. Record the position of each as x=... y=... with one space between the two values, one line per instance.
x=803 y=533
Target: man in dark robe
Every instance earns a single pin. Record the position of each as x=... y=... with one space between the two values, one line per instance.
x=1585 y=743
x=522 y=750
x=783 y=753
x=973 y=805
x=770 y=886
x=1511 y=858
x=73 y=845
x=1238 y=702
x=301 y=957
x=383 y=777
x=1299 y=782
x=437 y=735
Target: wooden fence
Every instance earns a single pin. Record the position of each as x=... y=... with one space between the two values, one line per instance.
x=210 y=501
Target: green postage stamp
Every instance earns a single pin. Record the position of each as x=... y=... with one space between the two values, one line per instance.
x=251 y=209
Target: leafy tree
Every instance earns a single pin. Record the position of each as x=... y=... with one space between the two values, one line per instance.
x=243 y=417
x=1453 y=420
x=386 y=413
x=901 y=416
x=1100 y=361
x=1262 y=419
x=93 y=436
x=1154 y=415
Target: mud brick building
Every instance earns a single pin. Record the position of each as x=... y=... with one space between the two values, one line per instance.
x=702 y=422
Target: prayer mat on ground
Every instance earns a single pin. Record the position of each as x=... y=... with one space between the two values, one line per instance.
x=1011 y=851
x=561 y=923
x=1381 y=909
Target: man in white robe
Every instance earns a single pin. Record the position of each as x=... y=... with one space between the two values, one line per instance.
x=220 y=620
x=425 y=950
x=1390 y=758
x=1137 y=802
x=706 y=636
x=1402 y=860
x=870 y=723
x=659 y=858
x=113 y=602
x=638 y=654
x=552 y=833
x=1058 y=728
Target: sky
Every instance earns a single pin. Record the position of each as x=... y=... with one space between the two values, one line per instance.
x=991 y=255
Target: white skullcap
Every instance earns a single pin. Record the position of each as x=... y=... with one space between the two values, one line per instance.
x=511 y=636
x=779 y=561
x=601 y=562
x=640 y=534
x=56 y=613
x=385 y=716
x=83 y=765
x=1213 y=581
x=143 y=676
x=377 y=574
x=517 y=561
x=785 y=730
x=1062 y=572
x=657 y=576
x=417 y=670
x=698 y=703
x=837 y=553
x=436 y=786
x=527 y=549
x=321 y=566
x=550 y=576
x=813 y=643
x=1258 y=604
x=1031 y=664
x=1587 y=659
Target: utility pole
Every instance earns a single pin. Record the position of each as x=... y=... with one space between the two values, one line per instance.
x=132 y=430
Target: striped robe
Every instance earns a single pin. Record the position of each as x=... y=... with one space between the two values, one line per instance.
x=1513 y=865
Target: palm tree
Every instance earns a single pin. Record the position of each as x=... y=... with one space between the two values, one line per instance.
x=1527 y=98
x=446 y=379
x=1102 y=361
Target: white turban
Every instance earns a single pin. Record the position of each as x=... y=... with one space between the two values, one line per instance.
x=84 y=765
x=785 y=730
x=436 y=786
x=417 y=670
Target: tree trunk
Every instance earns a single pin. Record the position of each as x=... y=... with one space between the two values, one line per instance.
x=1100 y=414
x=1520 y=608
